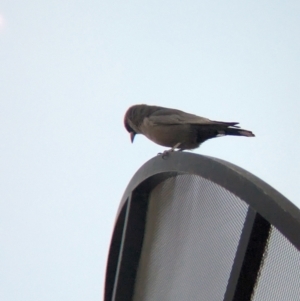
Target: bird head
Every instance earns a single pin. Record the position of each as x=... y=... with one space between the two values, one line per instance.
x=134 y=118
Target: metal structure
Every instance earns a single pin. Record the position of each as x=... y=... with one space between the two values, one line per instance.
x=193 y=227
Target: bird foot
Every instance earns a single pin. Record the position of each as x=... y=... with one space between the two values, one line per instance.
x=166 y=153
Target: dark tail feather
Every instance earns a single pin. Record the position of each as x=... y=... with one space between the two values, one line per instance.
x=237 y=132
x=233 y=124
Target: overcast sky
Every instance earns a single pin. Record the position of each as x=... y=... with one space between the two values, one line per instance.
x=68 y=72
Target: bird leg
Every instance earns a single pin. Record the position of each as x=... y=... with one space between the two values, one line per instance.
x=166 y=153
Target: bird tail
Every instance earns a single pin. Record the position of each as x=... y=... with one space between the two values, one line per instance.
x=236 y=132
x=233 y=124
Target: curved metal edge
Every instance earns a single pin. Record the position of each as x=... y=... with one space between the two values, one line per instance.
x=268 y=202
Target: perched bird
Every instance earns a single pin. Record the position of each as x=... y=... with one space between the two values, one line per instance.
x=175 y=128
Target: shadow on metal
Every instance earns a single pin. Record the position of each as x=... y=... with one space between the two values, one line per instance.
x=267 y=228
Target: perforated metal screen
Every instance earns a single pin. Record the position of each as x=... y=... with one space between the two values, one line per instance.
x=279 y=278
x=193 y=227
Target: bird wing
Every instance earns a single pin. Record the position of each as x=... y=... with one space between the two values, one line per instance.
x=171 y=117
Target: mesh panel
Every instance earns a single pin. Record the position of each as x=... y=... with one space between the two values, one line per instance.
x=280 y=275
x=192 y=232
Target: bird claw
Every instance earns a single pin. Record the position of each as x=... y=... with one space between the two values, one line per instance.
x=166 y=153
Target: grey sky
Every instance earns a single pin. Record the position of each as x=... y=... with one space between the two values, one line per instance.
x=68 y=72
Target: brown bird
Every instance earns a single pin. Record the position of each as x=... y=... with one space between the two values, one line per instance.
x=175 y=128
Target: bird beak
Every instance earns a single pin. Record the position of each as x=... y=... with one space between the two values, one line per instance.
x=132 y=135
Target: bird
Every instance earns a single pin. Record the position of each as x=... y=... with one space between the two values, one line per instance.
x=176 y=129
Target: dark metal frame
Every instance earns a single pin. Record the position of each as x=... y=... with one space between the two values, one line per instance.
x=266 y=207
